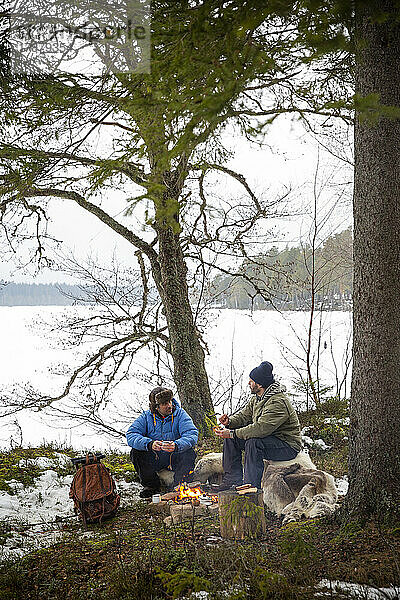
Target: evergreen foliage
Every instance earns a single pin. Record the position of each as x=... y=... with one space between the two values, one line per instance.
x=285 y=275
x=213 y=65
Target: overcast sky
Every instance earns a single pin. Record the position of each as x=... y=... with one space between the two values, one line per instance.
x=289 y=159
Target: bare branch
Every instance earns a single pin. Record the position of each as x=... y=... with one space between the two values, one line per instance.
x=240 y=178
x=100 y=214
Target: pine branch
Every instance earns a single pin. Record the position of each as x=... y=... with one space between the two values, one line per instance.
x=131 y=170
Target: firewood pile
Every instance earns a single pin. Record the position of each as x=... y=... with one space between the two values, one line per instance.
x=189 y=501
x=184 y=503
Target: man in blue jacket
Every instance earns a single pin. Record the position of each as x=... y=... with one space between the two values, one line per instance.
x=162 y=437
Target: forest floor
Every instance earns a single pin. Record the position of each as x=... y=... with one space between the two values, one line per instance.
x=136 y=556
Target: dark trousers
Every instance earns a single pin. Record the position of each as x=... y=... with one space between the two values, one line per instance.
x=148 y=462
x=255 y=450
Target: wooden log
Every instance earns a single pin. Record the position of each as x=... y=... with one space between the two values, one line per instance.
x=194 y=484
x=186 y=512
x=246 y=486
x=246 y=490
x=169 y=496
x=241 y=516
x=159 y=508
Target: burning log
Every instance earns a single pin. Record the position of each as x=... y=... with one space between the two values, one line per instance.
x=241 y=514
x=184 y=503
x=186 y=494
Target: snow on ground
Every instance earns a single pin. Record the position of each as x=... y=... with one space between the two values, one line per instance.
x=342 y=485
x=356 y=590
x=34 y=516
x=310 y=443
x=329 y=589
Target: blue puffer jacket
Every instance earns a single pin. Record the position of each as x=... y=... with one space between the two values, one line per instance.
x=177 y=427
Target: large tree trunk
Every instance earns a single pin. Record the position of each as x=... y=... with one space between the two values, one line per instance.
x=170 y=276
x=187 y=353
x=374 y=462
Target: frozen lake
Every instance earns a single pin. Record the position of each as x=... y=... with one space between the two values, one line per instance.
x=33 y=353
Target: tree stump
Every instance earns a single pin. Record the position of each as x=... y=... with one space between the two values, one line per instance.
x=241 y=516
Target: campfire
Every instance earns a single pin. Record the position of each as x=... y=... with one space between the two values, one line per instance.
x=186 y=494
x=185 y=502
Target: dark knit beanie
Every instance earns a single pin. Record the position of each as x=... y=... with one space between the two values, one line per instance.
x=263 y=374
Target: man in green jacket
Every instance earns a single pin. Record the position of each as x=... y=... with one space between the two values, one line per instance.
x=267 y=427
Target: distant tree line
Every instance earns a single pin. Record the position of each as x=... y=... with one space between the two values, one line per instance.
x=42 y=294
x=278 y=279
x=282 y=278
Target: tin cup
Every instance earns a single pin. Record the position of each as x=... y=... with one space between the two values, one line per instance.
x=156 y=498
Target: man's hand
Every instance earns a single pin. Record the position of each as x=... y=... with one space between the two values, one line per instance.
x=223 y=433
x=157 y=445
x=224 y=419
x=168 y=446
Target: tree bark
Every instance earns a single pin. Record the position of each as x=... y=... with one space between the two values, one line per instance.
x=374 y=461
x=187 y=353
x=169 y=272
x=241 y=517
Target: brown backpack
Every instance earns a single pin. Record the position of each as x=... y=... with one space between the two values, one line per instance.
x=93 y=490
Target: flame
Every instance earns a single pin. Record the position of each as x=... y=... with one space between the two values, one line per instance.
x=188 y=494
x=184 y=492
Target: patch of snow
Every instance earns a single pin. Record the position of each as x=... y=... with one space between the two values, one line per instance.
x=41 y=461
x=307 y=430
x=201 y=595
x=8 y=504
x=42 y=502
x=321 y=444
x=129 y=492
x=21 y=543
x=307 y=440
x=213 y=539
x=336 y=421
x=342 y=485
x=35 y=514
x=356 y=590
x=88 y=534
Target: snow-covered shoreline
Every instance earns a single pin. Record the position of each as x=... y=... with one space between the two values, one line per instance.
x=237 y=340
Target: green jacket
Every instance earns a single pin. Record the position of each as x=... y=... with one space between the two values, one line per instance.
x=272 y=414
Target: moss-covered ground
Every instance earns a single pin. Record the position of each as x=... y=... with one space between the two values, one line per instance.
x=136 y=556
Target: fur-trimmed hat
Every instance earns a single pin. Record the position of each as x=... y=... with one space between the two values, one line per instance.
x=159 y=395
x=263 y=374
